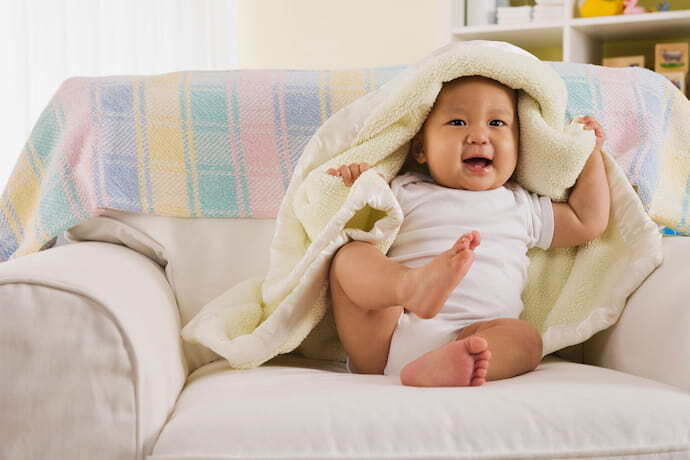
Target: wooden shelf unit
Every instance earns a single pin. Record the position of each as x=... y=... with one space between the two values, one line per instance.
x=581 y=39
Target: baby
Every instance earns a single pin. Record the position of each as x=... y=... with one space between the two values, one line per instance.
x=440 y=310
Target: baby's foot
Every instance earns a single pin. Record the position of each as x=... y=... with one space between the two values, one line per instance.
x=425 y=289
x=459 y=363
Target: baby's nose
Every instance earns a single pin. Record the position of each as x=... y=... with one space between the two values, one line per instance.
x=477 y=136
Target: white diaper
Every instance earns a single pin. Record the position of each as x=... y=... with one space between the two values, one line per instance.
x=414 y=337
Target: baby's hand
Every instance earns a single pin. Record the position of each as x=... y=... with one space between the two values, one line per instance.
x=350 y=173
x=592 y=123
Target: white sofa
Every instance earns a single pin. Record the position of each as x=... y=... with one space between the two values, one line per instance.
x=92 y=366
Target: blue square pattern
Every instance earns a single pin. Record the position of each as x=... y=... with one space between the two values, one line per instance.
x=303 y=109
x=119 y=137
x=117 y=98
x=122 y=183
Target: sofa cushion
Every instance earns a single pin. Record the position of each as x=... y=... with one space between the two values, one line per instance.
x=298 y=408
x=651 y=337
x=202 y=257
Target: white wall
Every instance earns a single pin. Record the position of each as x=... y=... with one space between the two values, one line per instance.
x=44 y=42
x=338 y=34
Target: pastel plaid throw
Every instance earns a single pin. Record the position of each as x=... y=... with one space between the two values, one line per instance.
x=224 y=144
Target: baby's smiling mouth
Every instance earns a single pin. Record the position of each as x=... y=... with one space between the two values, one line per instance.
x=477 y=162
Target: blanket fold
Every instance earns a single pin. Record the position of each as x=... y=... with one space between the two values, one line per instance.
x=571 y=294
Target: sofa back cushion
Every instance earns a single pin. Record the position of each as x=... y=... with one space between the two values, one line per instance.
x=202 y=257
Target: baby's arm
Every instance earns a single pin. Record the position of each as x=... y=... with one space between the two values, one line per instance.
x=586 y=214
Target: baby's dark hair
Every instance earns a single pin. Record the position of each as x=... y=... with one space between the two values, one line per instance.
x=411 y=164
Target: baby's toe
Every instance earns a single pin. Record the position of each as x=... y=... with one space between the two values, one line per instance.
x=477 y=344
x=477 y=381
x=481 y=364
x=484 y=355
x=461 y=244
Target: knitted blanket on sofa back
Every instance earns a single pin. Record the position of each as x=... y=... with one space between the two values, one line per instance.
x=224 y=144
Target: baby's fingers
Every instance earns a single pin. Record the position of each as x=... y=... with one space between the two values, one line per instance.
x=589 y=122
x=592 y=124
x=346 y=174
x=598 y=130
x=356 y=170
x=350 y=172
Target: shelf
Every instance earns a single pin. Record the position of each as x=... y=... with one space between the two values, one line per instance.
x=525 y=36
x=635 y=27
x=581 y=39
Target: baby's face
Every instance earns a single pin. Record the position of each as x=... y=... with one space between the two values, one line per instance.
x=470 y=138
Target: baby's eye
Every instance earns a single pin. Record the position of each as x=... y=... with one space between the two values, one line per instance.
x=457 y=123
x=499 y=121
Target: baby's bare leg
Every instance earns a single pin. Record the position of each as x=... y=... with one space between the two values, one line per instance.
x=369 y=279
x=516 y=346
x=368 y=291
x=507 y=347
x=364 y=285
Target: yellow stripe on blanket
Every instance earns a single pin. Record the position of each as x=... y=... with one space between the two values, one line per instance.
x=166 y=142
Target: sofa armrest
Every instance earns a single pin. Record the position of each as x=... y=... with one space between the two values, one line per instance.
x=91 y=360
x=651 y=337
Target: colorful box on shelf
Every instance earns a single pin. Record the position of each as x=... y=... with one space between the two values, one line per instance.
x=671 y=57
x=624 y=61
x=671 y=61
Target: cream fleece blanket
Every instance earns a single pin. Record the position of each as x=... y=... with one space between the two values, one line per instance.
x=571 y=293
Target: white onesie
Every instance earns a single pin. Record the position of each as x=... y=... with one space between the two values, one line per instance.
x=510 y=221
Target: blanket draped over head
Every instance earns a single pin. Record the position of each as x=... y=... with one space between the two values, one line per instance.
x=571 y=293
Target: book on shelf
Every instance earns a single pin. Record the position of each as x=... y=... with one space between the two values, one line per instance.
x=485 y=12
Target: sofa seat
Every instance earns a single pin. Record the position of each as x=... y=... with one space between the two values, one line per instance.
x=294 y=407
